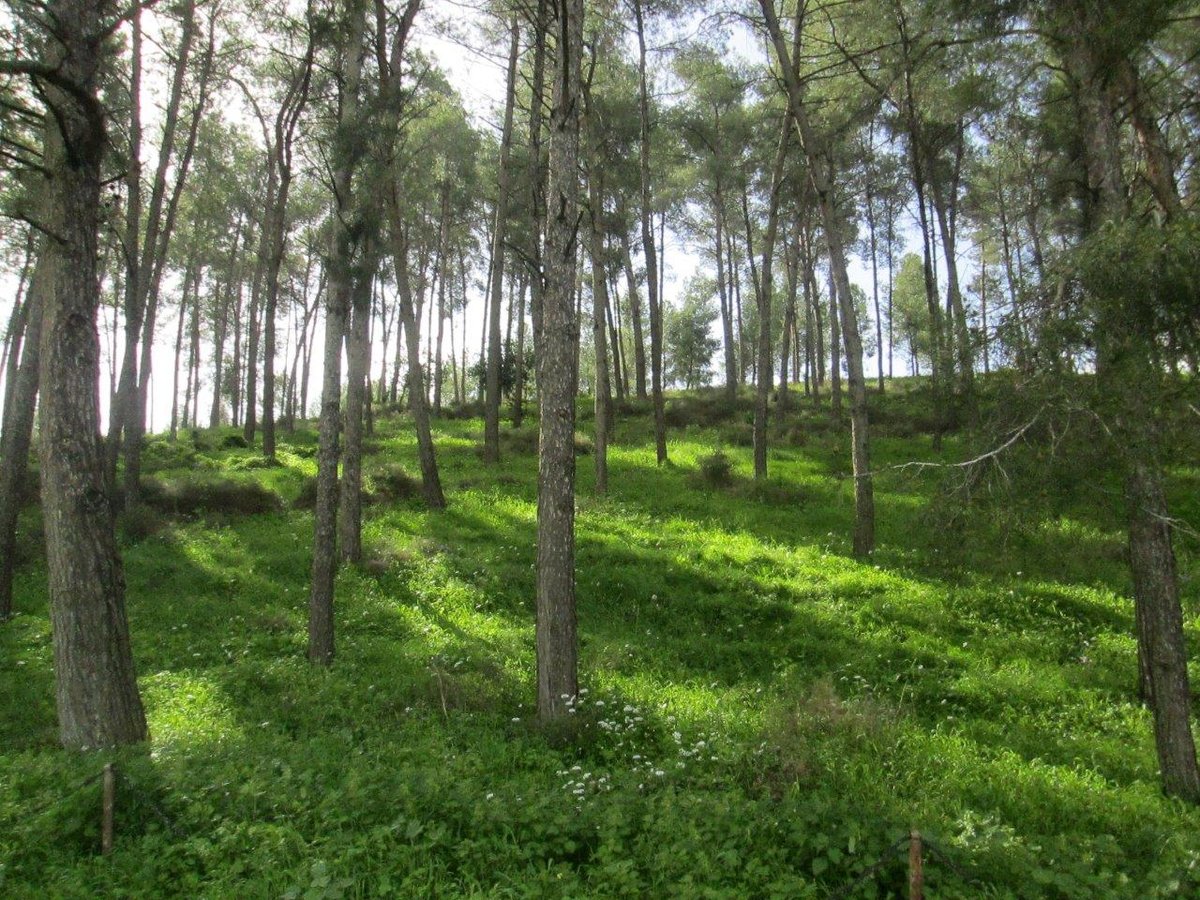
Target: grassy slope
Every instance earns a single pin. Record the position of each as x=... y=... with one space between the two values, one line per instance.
x=764 y=715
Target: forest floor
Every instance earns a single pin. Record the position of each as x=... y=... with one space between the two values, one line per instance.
x=764 y=716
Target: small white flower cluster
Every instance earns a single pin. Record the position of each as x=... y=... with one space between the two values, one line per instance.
x=579 y=783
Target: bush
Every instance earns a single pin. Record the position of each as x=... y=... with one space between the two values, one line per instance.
x=520 y=441
x=524 y=441
x=234 y=442
x=193 y=495
x=307 y=498
x=738 y=435
x=136 y=523
x=716 y=469
x=158 y=455
x=252 y=463
x=464 y=411
x=394 y=483
x=705 y=410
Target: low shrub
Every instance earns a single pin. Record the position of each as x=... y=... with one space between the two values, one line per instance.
x=740 y=434
x=716 y=469
x=252 y=463
x=520 y=441
x=394 y=483
x=464 y=411
x=307 y=497
x=136 y=523
x=194 y=495
x=234 y=442
x=524 y=441
x=705 y=410
x=159 y=455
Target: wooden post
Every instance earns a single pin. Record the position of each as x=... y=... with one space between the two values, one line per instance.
x=916 y=874
x=109 y=802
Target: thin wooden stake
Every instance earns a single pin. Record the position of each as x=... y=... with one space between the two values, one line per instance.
x=916 y=873
x=109 y=803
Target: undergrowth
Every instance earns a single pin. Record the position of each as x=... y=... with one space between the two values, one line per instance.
x=762 y=715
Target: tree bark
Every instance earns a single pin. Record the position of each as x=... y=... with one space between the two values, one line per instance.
x=762 y=393
x=635 y=317
x=648 y=247
x=820 y=173
x=143 y=258
x=491 y=417
x=556 y=639
x=95 y=682
x=22 y=391
x=1130 y=376
x=357 y=373
x=730 y=354
x=337 y=311
x=603 y=391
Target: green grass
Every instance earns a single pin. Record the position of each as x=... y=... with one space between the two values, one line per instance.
x=763 y=714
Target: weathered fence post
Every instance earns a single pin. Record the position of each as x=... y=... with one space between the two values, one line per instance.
x=106 y=813
x=916 y=874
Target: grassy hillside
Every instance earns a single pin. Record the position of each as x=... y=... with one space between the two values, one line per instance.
x=763 y=716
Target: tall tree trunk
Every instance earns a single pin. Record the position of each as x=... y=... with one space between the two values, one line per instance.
x=536 y=177
x=357 y=368
x=635 y=317
x=430 y=478
x=221 y=327
x=142 y=259
x=791 y=260
x=1129 y=374
x=603 y=392
x=731 y=378
x=181 y=318
x=337 y=312
x=95 y=682
x=22 y=391
x=193 y=390
x=821 y=174
x=444 y=265
x=875 y=283
x=491 y=417
x=648 y=248
x=762 y=394
x=835 y=349
x=556 y=639
x=253 y=333
x=966 y=357
x=735 y=282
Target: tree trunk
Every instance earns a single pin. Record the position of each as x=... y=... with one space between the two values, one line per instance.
x=731 y=378
x=603 y=392
x=1126 y=369
x=22 y=391
x=648 y=248
x=820 y=173
x=430 y=478
x=789 y=323
x=222 y=326
x=357 y=368
x=635 y=318
x=491 y=417
x=875 y=283
x=835 y=350
x=762 y=394
x=138 y=254
x=557 y=643
x=337 y=312
x=95 y=682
